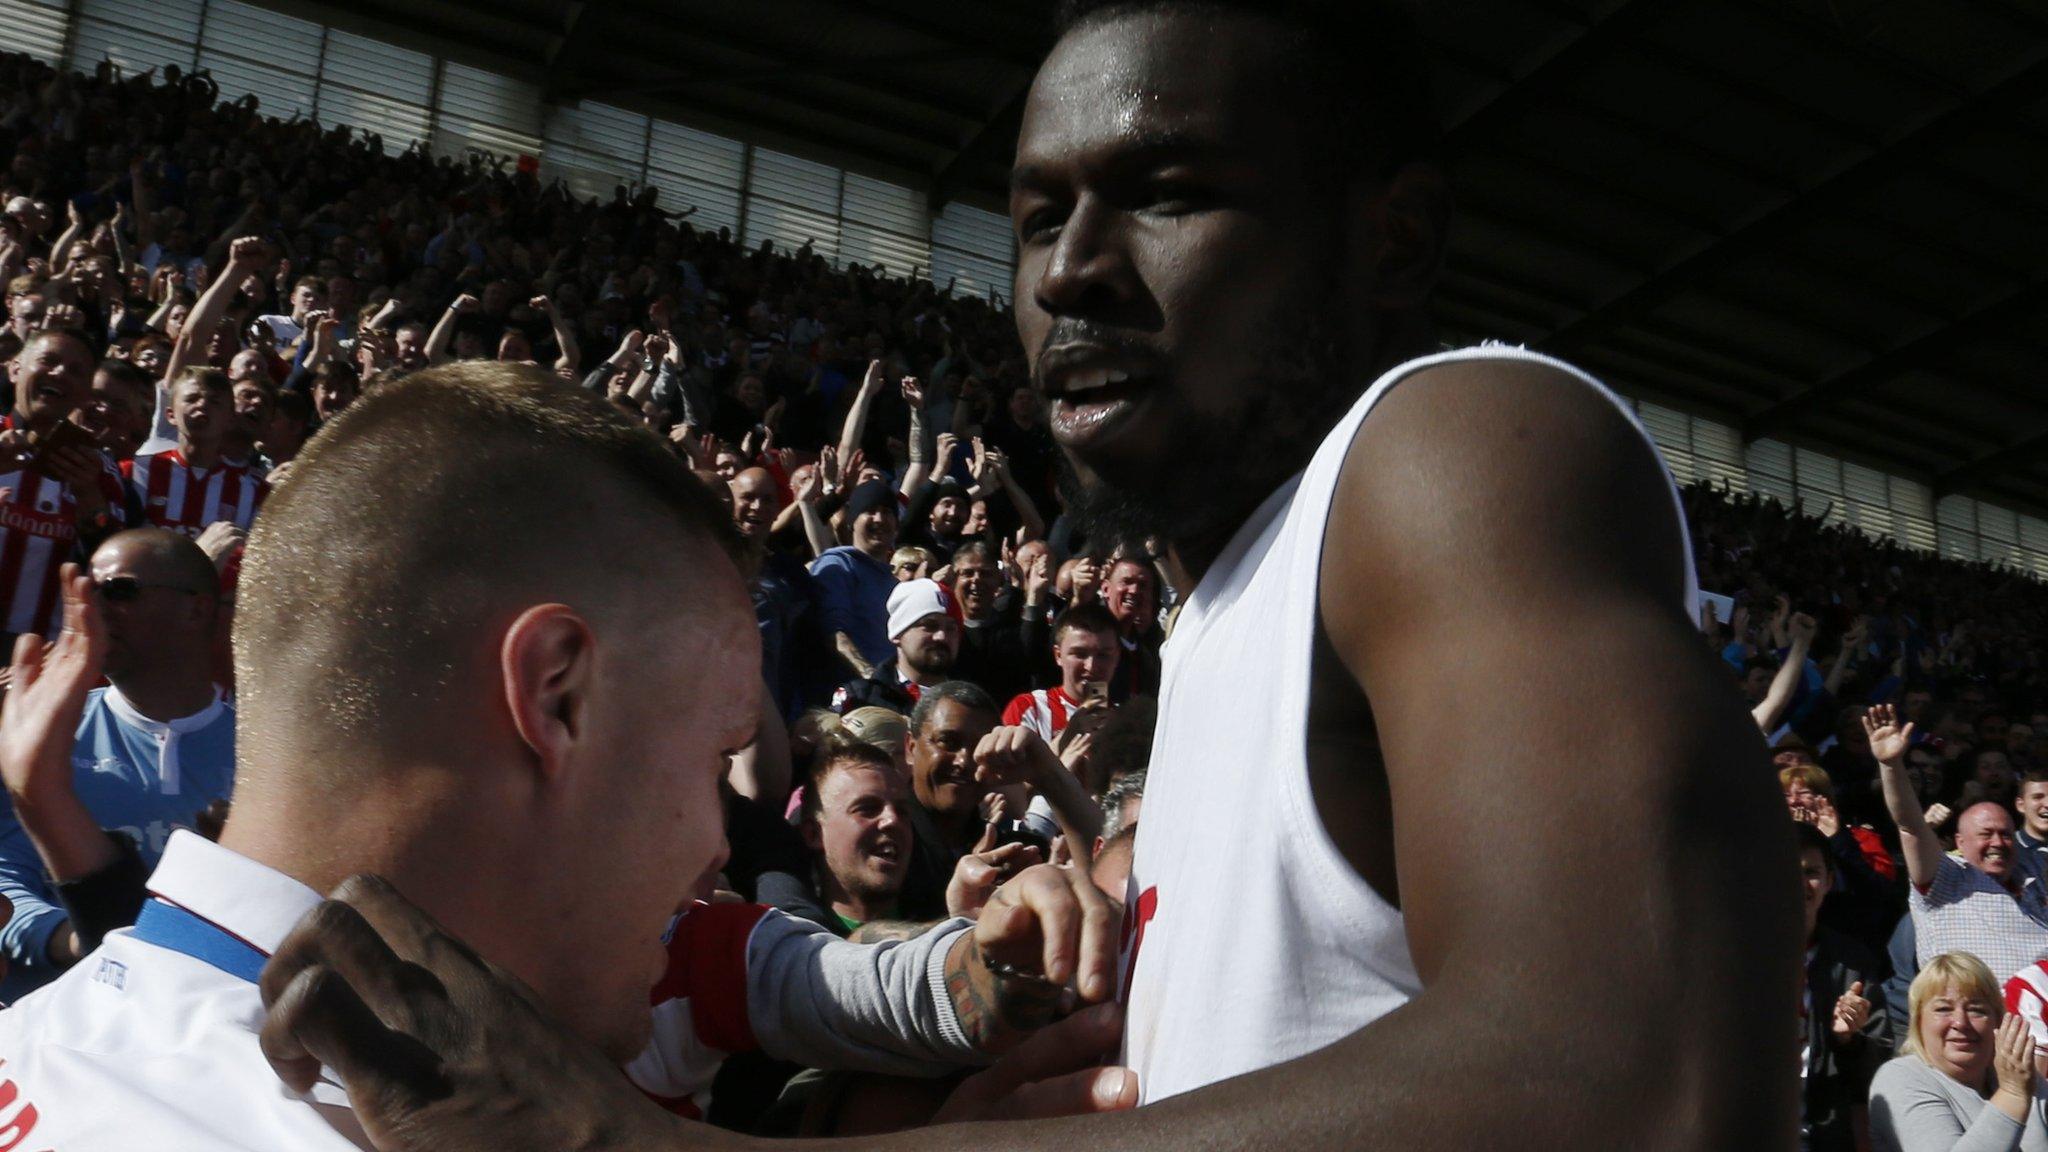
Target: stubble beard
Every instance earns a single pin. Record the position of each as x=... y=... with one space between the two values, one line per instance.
x=1227 y=466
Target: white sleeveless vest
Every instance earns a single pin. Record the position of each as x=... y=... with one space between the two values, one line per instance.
x=1249 y=940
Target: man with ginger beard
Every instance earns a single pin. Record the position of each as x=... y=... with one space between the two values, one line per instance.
x=924 y=626
x=781 y=591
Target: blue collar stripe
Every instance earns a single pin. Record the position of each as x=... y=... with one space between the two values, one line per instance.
x=169 y=926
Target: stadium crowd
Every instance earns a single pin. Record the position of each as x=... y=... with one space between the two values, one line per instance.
x=957 y=682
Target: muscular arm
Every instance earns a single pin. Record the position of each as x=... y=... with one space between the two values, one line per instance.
x=1556 y=776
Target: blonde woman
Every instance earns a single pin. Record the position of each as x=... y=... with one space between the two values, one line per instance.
x=1966 y=1081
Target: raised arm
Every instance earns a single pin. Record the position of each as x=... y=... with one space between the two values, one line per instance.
x=571 y=354
x=444 y=328
x=1917 y=842
x=1786 y=682
x=856 y=426
x=920 y=468
x=244 y=257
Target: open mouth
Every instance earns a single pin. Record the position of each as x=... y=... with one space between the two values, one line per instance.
x=1092 y=389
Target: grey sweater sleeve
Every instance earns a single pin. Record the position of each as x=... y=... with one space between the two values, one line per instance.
x=824 y=1002
x=1914 y=1108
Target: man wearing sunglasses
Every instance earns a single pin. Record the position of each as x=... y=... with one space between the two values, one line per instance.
x=153 y=752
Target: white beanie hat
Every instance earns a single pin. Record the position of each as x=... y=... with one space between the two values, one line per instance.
x=913 y=600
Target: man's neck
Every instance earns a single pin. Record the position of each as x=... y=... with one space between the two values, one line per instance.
x=196 y=456
x=859 y=909
x=168 y=694
x=877 y=553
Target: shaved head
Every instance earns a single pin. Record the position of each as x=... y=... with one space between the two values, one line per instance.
x=364 y=606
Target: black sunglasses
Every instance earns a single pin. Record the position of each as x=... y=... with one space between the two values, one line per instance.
x=128 y=589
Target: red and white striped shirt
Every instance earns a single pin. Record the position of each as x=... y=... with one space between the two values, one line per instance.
x=185 y=499
x=1045 y=712
x=700 y=1007
x=38 y=533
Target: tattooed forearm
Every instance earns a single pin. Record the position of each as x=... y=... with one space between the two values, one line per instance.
x=995 y=1009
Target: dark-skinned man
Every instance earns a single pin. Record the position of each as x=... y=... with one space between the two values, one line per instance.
x=1227 y=230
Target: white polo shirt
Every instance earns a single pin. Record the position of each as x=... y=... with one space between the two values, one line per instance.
x=151 y=1041
x=142 y=1046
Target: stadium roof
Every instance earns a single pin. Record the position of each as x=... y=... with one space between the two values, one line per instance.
x=1825 y=221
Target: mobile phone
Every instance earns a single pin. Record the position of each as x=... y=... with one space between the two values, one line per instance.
x=1094 y=692
x=1018 y=832
x=63 y=435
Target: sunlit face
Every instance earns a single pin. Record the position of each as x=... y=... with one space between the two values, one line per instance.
x=52 y=378
x=874 y=531
x=863 y=830
x=942 y=758
x=930 y=646
x=1984 y=837
x=1955 y=1033
x=755 y=502
x=1085 y=658
x=976 y=582
x=200 y=411
x=660 y=732
x=1129 y=595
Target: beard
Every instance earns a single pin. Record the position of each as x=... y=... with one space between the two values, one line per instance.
x=1228 y=463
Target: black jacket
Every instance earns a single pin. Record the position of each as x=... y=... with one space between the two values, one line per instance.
x=1839 y=1078
x=884 y=689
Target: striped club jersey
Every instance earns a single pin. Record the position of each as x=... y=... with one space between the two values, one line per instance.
x=177 y=496
x=38 y=534
x=1045 y=711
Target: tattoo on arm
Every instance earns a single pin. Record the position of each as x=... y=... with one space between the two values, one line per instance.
x=996 y=1011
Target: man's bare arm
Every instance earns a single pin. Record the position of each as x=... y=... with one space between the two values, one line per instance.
x=1917 y=841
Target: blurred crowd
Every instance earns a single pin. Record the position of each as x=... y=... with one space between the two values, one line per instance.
x=192 y=288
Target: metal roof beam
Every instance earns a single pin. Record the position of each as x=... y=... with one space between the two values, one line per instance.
x=2032 y=448
x=998 y=131
x=1562 y=62
x=1019 y=50
x=1916 y=350
x=2024 y=82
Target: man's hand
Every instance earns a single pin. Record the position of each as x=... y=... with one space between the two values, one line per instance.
x=542 y=304
x=220 y=539
x=1888 y=741
x=439 y=1049
x=1804 y=628
x=79 y=468
x=871 y=383
x=1825 y=819
x=979 y=873
x=46 y=698
x=464 y=304
x=1045 y=940
x=913 y=393
x=1852 y=1011
x=1055 y=1073
x=246 y=253
x=1937 y=815
x=1013 y=755
x=1038 y=581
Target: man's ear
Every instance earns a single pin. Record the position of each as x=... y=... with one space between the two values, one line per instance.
x=548 y=665
x=813 y=838
x=1405 y=224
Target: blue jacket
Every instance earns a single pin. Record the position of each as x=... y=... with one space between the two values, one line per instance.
x=137 y=776
x=853 y=597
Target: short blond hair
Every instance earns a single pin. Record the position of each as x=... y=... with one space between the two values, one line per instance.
x=1958 y=970
x=1813 y=776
